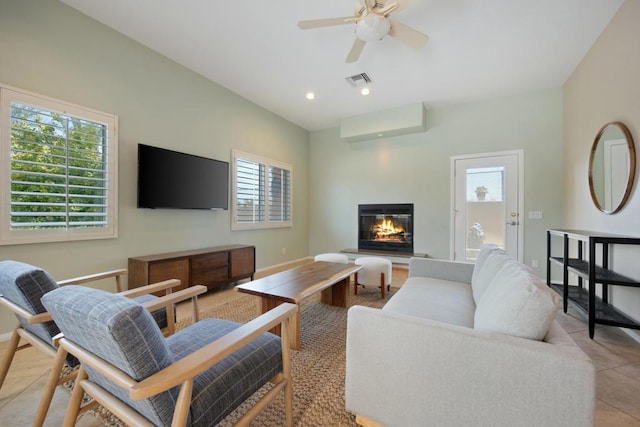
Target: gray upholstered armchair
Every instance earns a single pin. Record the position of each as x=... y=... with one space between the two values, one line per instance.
x=197 y=376
x=21 y=289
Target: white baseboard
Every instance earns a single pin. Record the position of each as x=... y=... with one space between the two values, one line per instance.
x=5 y=337
x=307 y=258
x=634 y=334
x=284 y=264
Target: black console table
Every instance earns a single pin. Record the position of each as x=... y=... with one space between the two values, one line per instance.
x=597 y=308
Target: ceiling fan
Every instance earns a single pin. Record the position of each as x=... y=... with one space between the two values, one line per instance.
x=372 y=21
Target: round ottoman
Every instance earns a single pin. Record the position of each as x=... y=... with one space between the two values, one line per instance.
x=375 y=271
x=331 y=257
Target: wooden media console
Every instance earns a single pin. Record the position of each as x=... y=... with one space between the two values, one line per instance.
x=209 y=266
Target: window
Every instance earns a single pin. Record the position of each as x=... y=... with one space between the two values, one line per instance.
x=261 y=192
x=58 y=179
x=489 y=181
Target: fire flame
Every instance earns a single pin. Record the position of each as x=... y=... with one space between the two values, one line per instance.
x=386 y=228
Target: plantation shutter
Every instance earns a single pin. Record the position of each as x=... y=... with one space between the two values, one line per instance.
x=279 y=194
x=58 y=170
x=250 y=190
x=262 y=192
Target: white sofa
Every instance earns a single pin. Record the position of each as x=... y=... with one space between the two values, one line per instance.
x=449 y=349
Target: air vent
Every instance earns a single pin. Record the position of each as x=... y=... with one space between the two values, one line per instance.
x=359 y=80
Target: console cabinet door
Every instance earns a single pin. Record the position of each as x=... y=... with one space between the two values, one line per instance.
x=171 y=269
x=243 y=262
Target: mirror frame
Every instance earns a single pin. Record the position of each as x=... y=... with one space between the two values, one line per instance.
x=632 y=166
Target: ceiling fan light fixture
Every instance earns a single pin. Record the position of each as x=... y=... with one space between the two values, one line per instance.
x=372 y=27
x=372 y=23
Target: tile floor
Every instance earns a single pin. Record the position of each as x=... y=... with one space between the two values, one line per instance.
x=615 y=354
x=617 y=359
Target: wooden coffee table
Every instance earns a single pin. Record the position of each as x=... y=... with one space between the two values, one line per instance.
x=329 y=278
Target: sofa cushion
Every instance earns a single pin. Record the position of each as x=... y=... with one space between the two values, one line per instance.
x=490 y=260
x=218 y=390
x=435 y=299
x=517 y=303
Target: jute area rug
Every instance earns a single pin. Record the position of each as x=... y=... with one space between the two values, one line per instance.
x=318 y=368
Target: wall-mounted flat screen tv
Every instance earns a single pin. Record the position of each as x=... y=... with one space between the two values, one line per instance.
x=170 y=179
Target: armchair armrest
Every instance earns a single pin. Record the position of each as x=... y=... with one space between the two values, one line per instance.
x=120 y=378
x=165 y=285
x=30 y=318
x=199 y=361
x=168 y=300
x=117 y=274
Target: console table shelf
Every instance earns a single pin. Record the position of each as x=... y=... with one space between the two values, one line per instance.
x=581 y=268
x=605 y=313
x=598 y=309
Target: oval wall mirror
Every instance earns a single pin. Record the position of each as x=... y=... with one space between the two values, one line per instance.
x=612 y=167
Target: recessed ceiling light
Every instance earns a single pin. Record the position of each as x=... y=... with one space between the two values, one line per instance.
x=365 y=91
x=311 y=95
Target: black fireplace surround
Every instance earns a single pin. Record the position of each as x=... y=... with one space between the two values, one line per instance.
x=386 y=227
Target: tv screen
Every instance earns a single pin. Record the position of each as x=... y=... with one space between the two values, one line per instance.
x=170 y=179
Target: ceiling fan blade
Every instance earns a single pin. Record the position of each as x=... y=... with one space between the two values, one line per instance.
x=356 y=50
x=387 y=9
x=407 y=35
x=368 y=4
x=326 y=22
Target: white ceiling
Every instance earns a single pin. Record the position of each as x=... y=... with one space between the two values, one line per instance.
x=478 y=49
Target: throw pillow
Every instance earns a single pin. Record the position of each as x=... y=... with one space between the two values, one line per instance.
x=490 y=260
x=517 y=303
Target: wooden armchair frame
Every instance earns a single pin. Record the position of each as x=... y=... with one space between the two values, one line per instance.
x=180 y=373
x=31 y=340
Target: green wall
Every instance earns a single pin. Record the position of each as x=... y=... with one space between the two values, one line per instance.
x=53 y=50
x=416 y=169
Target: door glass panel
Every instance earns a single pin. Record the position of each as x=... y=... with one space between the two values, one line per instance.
x=485 y=207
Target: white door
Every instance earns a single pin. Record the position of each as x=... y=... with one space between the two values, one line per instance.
x=486 y=203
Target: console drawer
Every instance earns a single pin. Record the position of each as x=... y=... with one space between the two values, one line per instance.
x=211 y=277
x=205 y=263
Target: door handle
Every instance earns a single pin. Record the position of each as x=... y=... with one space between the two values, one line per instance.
x=513 y=223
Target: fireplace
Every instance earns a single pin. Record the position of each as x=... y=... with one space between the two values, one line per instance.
x=386 y=227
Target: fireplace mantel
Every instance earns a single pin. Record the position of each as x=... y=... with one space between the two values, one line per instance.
x=354 y=251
